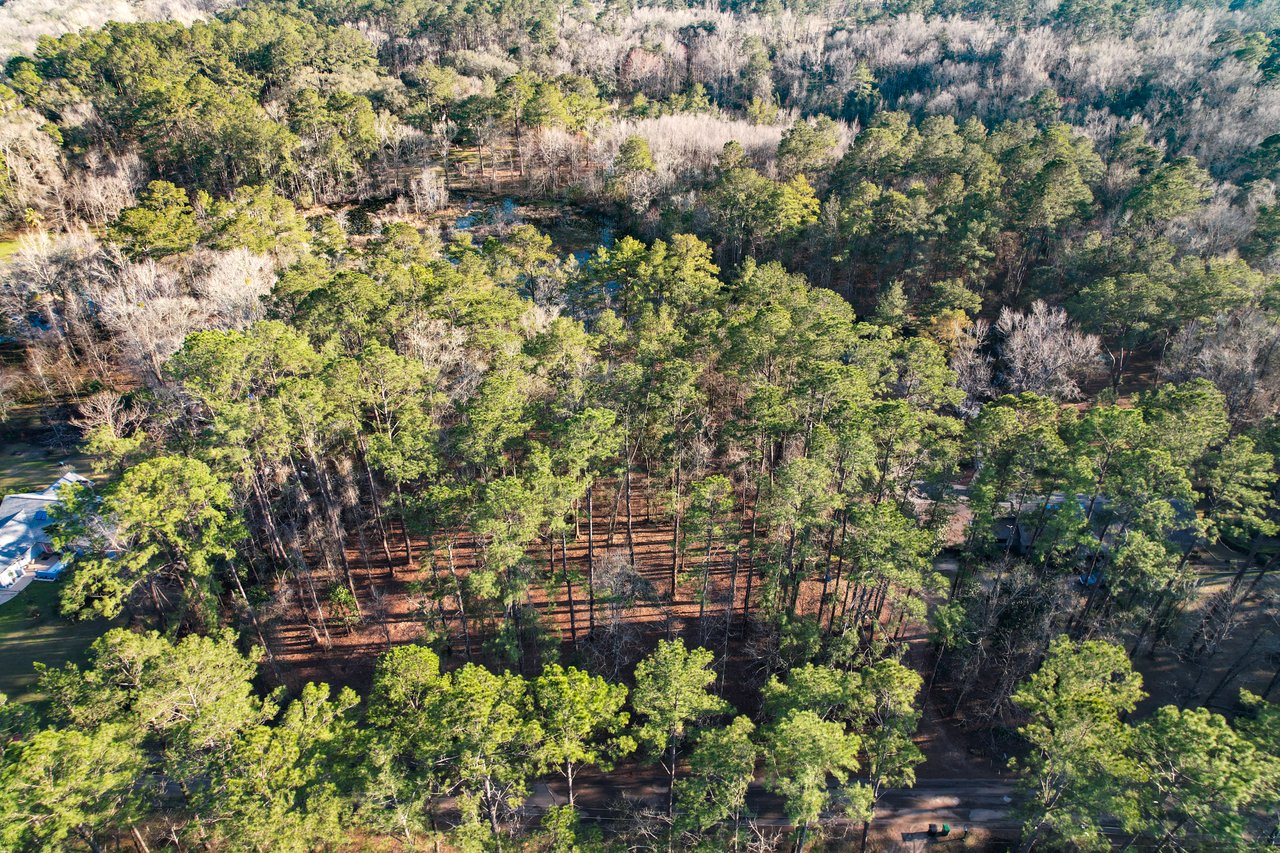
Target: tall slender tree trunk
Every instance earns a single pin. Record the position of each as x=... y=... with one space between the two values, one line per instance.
x=333 y=517
x=568 y=588
x=844 y=532
x=706 y=582
x=462 y=605
x=613 y=516
x=292 y=560
x=1262 y=573
x=404 y=528
x=1235 y=669
x=591 y=562
x=89 y=840
x=831 y=541
x=671 y=782
x=675 y=536
x=750 y=557
x=826 y=574
x=631 y=542
x=377 y=507
x=1271 y=685
x=751 y=548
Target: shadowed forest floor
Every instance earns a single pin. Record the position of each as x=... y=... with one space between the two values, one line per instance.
x=410 y=615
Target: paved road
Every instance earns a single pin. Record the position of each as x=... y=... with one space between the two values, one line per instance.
x=977 y=805
x=962 y=803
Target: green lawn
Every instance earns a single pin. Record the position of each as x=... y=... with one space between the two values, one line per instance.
x=27 y=462
x=26 y=467
x=46 y=638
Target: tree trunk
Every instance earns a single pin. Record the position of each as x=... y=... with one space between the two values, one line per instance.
x=377 y=509
x=631 y=542
x=671 y=784
x=591 y=562
x=844 y=533
x=1235 y=669
x=404 y=528
x=751 y=547
x=675 y=536
x=292 y=560
x=1275 y=679
x=706 y=582
x=332 y=517
x=89 y=840
x=568 y=586
x=462 y=606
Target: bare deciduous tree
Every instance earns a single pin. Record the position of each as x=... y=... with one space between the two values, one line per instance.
x=107 y=185
x=974 y=370
x=232 y=285
x=33 y=178
x=107 y=409
x=147 y=313
x=1042 y=352
x=45 y=291
x=1240 y=353
x=428 y=191
x=442 y=349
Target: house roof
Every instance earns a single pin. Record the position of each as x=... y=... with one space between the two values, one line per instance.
x=24 y=516
x=1025 y=523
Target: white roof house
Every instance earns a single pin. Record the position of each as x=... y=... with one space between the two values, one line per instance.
x=24 y=544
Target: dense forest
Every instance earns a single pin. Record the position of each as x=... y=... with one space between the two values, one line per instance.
x=590 y=426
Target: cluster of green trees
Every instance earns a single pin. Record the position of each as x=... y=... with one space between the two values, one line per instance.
x=827 y=346
x=947 y=213
x=166 y=222
x=168 y=740
x=415 y=389
x=1179 y=776
x=960 y=207
x=1113 y=492
x=410 y=400
x=193 y=99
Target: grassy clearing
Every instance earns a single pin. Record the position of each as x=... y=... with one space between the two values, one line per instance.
x=31 y=631
x=26 y=467
x=28 y=462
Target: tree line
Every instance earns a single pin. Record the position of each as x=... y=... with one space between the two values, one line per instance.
x=166 y=742
x=866 y=395
x=410 y=400
x=159 y=737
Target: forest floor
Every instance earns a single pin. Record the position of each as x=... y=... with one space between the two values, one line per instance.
x=951 y=752
x=954 y=751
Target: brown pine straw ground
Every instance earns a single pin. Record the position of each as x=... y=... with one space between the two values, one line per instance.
x=953 y=752
x=349 y=661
